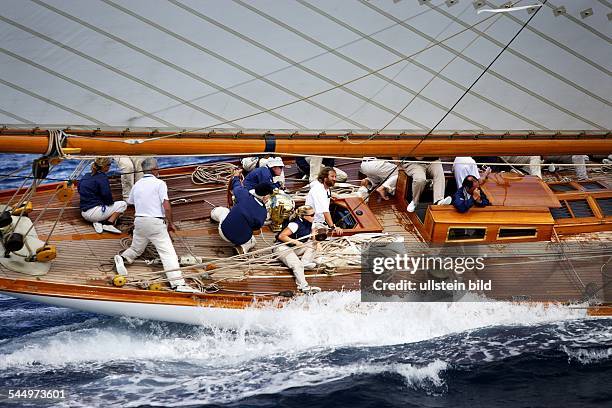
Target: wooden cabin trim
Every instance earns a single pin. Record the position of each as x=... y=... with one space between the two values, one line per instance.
x=366 y=222
x=125 y=295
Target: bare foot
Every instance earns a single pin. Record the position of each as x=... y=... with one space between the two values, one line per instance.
x=382 y=192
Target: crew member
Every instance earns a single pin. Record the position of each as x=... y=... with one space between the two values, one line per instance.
x=296 y=249
x=266 y=174
x=153 y=221
x=319 y=198
x=578 y=160
x=470 y=195
x=381 y=174
x=312 y=165
x=131 y=172
x=466 y=166
x=418 y=173
x=249 y=213
x=532 y=163
x=96 y=200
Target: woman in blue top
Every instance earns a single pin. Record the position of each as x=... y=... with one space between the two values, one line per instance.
x=295 y=242
x=97 y=204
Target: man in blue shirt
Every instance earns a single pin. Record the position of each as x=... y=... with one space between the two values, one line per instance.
x=470 y=195
x=96 y=200
x=265 y=174
x=249 y=213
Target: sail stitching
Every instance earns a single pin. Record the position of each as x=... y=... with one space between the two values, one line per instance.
x=423 y=66
x=336 y=85
x=112 y=68
x=356 y=63
x=491 y=72
x=531 y=61
x=237 y=66
x=84 y=86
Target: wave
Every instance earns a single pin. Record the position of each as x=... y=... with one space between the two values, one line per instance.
x=319 y=342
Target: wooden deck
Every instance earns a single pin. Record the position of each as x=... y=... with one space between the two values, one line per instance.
x=85 y=257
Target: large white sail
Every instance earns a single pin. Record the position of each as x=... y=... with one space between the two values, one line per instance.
x=195 y=63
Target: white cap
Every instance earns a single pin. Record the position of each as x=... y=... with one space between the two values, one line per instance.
x=275 y=162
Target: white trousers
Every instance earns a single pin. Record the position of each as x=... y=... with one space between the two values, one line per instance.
x=295 y=258
x=378 y=170
x=419 y=179
x=154 y=230
x=316 y=164
x=131 y=169
x=219 y=214
x=102 y=213
x=533 y=162
x=578 y=160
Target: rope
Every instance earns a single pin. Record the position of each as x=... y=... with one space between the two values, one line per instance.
x=235 y=263
x=214 y=173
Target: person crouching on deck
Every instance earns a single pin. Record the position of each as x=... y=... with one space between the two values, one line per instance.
x=249 y=213
x=470 y=195
x=294 y=245
x=152 y=222
x=265 y=174
x=97 y=204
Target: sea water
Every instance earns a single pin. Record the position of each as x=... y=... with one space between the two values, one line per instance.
x=324 y=350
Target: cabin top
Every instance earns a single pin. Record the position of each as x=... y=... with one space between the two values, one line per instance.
x=524 y=209
x=513 y=190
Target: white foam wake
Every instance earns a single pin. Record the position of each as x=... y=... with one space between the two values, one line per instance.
x=322 y=321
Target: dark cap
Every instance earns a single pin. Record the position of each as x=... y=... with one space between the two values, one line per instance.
x=263 y=189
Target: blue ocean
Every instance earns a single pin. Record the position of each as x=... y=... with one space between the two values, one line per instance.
x=327 y=350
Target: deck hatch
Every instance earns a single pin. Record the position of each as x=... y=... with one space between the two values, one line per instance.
x=606 y=206
x=591 y=185
x=562 y=212
x=581 y=208
x=562 y=187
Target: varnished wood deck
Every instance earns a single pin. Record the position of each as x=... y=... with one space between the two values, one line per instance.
x=85 y=257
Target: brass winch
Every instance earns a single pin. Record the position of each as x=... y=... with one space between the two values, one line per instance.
x=281 y=207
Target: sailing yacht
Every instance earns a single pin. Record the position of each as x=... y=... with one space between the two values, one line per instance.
x=337 y=79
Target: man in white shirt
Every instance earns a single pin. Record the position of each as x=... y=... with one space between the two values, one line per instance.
x=319 y=198
x=152 y=210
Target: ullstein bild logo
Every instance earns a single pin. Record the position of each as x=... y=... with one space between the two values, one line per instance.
x=390 y=273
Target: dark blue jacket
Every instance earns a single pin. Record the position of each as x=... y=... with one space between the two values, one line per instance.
x=463 y=204
x=304 y=228
x=245 y=216
x=259 y=175
x=94 y=191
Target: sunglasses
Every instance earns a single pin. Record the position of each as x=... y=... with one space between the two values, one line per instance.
x=309 y=215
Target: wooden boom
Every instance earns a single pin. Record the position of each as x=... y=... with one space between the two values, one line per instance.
x=97 y=142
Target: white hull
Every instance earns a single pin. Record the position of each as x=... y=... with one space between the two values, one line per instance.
x=208 y=316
